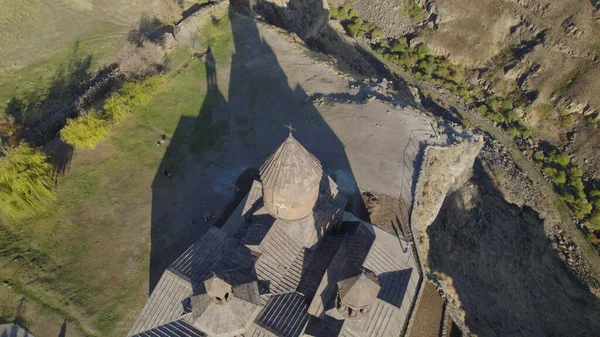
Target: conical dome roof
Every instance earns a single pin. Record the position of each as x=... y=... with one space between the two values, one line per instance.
x=291 y=176
x=359 y=291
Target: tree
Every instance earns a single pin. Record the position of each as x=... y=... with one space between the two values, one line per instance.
x=562 y=159
x=550 y=172
x=354 y=28
x=84 y=132
x=26 y=183
x=560 y=177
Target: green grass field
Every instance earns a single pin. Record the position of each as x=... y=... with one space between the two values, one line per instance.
x=87 y=257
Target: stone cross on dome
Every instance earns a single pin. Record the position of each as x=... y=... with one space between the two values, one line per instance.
x=289 y=126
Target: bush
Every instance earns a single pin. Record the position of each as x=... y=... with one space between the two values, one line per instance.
x=26 y=183
x=525 y=132
x=115 y=108
x=550 y=172
x=355 y=27
x=576 y=171
x=560 y=178
x=582 y=208
x=507 y=105
x=496 y=117
x=139 y=61
x=512 y=116
x=567 y=121
x=334 y=12
x=376 y=33
x=168 y=12
x=539 y=156
x=562 y=159
x=84 y=132
x=594 y=220
x=514 y=132
x=482 y=109
x=129 y=96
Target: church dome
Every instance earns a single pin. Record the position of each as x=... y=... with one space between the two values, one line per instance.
x=291 y=177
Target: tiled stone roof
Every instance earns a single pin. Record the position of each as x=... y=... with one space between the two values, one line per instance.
x=179 y=328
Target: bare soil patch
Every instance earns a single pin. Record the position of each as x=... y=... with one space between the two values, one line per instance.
x=386 y=212
x=428 y=318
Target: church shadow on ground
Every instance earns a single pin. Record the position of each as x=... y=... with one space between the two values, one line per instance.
x=235 y=135
x=507 y=276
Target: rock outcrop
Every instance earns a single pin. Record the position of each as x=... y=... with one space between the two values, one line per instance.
x=444 y=169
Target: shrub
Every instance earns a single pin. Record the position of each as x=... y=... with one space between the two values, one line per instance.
x=582 y=208
x=525 y=132
x=576 y=171
x=482 y=109
x=139 y=61
x=539 y=156
x=594 y=220
x=514 y=132
x=507 y=105
x=84 y=132
x=26 y=183
x=496 y=117
x=562 y=159
x=550 y=172
x=334 y=12
x=115 y=108
x=168 y=12
x=495 y=103
x=513 y=116
x=568 y=198
x=560 y=178
x=567 y=121
x=354 y=27
x=376 y=33
x=129 y=96
x=577 y=184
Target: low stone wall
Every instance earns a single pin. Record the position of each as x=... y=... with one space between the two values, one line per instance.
x=185 y=31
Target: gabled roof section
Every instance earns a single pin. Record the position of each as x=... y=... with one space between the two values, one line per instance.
x=166 y=304
x=202 y=257
x=285 y=315
x=179 y=328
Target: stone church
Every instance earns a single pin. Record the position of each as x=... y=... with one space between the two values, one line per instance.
x=288 y=262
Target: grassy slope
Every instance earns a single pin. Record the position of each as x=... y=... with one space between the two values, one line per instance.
x=35 y=29
x=90 y=251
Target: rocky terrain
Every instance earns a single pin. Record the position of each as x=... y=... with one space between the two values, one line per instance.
x=545 y=51
x=486 y=250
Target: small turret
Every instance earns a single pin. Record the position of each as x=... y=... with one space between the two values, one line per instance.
x=357 y=293
x=218 y=290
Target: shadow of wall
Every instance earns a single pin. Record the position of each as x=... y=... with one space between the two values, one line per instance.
x=506 y=273
x=260 y=101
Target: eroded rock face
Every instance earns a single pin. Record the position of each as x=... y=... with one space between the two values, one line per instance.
x=304 y=17
x=499 y=271
x=444 y=170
